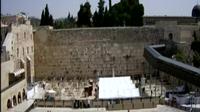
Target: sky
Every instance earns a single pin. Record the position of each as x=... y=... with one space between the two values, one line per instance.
x=61 y=8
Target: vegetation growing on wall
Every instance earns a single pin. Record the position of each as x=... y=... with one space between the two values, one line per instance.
x=180 y=56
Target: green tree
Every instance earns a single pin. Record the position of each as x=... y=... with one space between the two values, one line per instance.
x=98 y=17
x=42 y=18
x=50 y=20
x=127 y=12
x=180 y=56
x=84 y=15
x=110 y=4
x=46 y=15
x=46 y=18
x=68 y=22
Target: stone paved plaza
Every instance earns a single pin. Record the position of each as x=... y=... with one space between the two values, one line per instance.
x=64 y=90
x=160 y=108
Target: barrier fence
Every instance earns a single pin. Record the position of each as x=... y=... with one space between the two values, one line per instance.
x=109 y=104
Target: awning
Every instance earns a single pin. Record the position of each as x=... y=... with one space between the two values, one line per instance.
x=28 y=58
x=22 y=60
x=18 y=72
x=51 y=91
x=117 y=88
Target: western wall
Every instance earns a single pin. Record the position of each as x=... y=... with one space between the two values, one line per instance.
x=91 y=52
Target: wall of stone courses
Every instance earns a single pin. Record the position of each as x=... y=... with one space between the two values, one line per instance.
x=84 y=52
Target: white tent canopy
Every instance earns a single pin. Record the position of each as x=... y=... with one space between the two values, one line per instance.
x=117 y=87
x=51 y=91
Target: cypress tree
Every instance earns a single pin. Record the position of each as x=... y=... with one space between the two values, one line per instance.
x=42 y=18
x=46 y=18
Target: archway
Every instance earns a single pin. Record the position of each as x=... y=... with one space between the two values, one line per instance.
x=19 y=97
x=14 y=100
x=9 y=104
x=24 y=94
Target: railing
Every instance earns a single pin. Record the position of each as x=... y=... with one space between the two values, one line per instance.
x=111 y=104
x=180 y=70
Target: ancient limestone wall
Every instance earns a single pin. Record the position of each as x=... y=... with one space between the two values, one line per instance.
x=91 y=52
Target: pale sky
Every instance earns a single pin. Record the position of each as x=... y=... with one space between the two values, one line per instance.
x=60 y=8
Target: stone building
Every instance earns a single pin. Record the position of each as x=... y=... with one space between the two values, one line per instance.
x=181 y=20
x=17 y=60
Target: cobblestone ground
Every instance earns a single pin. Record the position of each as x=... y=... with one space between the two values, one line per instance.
x=160 y=108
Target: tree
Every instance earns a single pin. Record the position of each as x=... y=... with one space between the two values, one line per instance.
x=127 y=12
x=98 y=17
x=46 y=15
x=51 y=20
x=42 y=18
x=110 y=4
x=46 y=18
x=84 y=15
x=67 y=22
x=180 y=56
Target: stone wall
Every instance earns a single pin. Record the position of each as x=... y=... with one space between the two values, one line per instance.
x=15 y=90
x=90 y=52
x=6 y=68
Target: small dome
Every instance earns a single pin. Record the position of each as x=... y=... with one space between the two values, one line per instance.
x=196 y=11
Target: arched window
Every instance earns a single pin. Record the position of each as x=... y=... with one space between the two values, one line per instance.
x=24 y=35
x=17 y=52
x=14 y=100
x=170 y=36
x=23 y=51
x=27 y=50
x=9 y=104
x=19 y=97
x=17 y=36
x=24 y=94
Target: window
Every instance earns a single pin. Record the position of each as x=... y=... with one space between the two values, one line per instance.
x=17 y=36
x=27 y=50
x=17 y=52
x=32 y=48
x=24 y=35
x=23 y=51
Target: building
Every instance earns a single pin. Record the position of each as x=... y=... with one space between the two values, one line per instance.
x=17 y=62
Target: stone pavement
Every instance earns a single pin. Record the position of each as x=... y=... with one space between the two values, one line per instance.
x=160 y=108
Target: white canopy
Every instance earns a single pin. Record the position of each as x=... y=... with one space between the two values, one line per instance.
x=51 y=91
x=18 y=72
x=117 y=87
